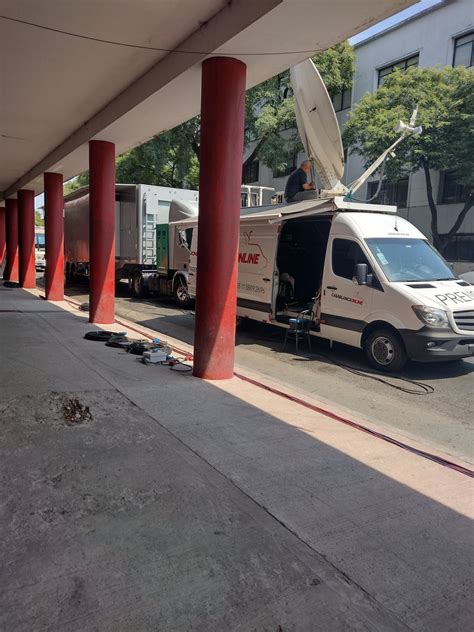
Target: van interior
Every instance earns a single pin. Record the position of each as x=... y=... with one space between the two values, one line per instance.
x=300 y=261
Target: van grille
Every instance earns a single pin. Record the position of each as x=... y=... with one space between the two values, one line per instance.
x=464 y=320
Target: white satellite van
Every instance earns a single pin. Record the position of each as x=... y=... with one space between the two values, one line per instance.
x=361 y=275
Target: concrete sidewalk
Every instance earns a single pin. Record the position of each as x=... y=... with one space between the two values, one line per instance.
x=185 y=505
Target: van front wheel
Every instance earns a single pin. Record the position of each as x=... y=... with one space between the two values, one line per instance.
x=385 y=351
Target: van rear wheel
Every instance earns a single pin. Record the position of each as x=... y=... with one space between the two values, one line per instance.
x=385 y=351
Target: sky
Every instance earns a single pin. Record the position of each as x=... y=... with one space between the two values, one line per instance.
x=395 y=19
x=373 y=30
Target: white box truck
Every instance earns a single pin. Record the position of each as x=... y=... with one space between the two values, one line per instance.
x=361 y=275
x=139 y=209
x=153 y=258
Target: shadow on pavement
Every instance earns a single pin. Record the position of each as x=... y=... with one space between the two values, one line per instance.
x=119 y=524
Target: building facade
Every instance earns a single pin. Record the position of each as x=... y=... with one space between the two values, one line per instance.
x=440 y=36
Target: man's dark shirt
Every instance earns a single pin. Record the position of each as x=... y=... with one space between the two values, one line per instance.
x=294 y=184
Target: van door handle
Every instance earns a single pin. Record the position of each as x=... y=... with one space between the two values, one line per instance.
x=331 y=287
x=266 y=279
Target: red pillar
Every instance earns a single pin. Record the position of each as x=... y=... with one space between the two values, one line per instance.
x=11 y=221
x=26 y=238
x=102 y=231
x=54 y=233
x=3 y=243
x=222 y=138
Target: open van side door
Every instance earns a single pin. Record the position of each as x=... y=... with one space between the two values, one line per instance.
x=345 y=305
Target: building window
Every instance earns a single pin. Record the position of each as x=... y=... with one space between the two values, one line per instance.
x=464 y=50
x=285 y=171
x=390 y=192
x=250 y=172
x=403 y=65
x=459 y=247
x=342 y=100
x=450 y=191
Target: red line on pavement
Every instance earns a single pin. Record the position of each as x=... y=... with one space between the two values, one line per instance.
x=461 y=469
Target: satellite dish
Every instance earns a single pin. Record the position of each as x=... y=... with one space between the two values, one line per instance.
x=317 y=124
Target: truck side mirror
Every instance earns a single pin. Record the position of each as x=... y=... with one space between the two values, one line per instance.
x=182 y=239
x=361 y=274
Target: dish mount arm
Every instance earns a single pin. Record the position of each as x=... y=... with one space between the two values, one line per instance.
x=404 y=130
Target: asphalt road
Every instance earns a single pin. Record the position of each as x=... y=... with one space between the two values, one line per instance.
x=442 y=419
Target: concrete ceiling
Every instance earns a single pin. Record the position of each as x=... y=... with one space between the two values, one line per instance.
x=59 y=91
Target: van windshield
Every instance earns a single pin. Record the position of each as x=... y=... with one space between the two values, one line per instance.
x=409 y=259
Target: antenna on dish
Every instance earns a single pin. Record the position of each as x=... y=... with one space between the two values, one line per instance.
x=404 y=130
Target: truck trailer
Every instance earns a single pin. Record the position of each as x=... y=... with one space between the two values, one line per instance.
x=139 y=210
x=150 y=255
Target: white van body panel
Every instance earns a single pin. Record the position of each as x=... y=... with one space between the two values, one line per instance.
x=257 y=253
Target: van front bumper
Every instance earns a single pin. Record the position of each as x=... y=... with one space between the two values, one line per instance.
x=429 y=345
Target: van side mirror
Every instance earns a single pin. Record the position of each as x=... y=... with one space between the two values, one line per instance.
x=361 y=274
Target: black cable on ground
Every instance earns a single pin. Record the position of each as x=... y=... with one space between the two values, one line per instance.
x=423 y=389
x=102 y=335
x=180 y=366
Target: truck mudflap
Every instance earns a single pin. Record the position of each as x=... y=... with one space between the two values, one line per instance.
x=429 y=345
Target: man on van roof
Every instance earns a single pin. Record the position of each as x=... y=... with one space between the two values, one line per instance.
x=297 y=188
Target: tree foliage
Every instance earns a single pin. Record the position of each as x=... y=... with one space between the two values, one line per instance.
x=270 y=106
x=172 y=157
x=76 y=183
x=445 y=98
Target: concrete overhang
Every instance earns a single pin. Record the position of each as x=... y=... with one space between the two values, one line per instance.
x=123 y=70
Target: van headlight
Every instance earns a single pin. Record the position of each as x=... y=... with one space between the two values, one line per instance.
x=431 y=316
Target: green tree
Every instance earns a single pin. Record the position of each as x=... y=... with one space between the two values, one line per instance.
x=172 y=157
x=270 y=107
x=169 y=159
x=445 y=98
x=39 y=221
x=76 y=183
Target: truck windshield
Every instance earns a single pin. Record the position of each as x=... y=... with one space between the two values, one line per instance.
x=409 y=259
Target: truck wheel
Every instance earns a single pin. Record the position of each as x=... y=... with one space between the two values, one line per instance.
x=385 y=351
x=138 y=286
x=181 y=293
